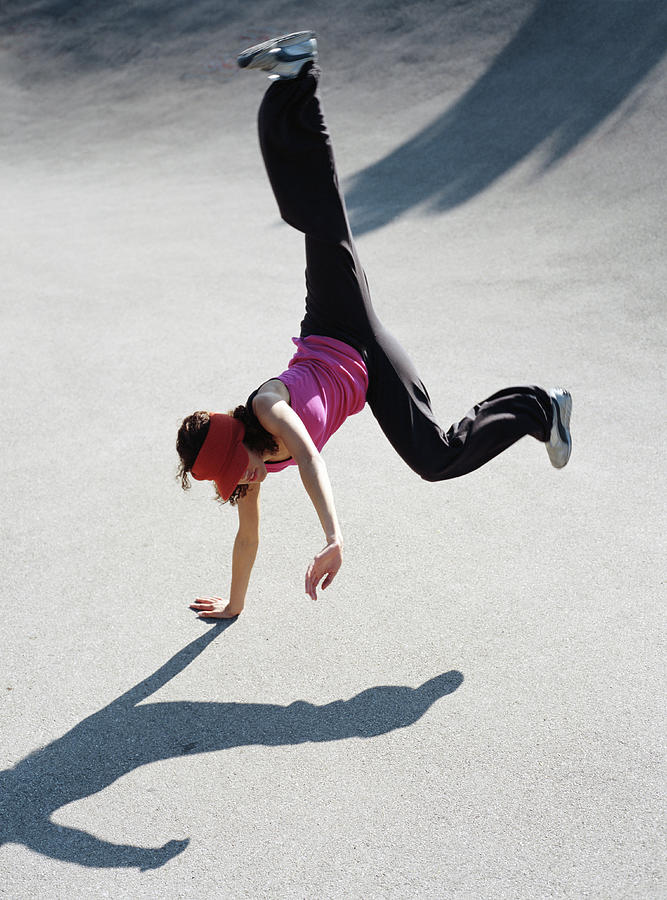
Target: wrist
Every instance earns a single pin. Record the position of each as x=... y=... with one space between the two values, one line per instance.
x=236 y=601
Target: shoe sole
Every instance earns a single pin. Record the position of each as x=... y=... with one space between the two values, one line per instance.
x=256 y=53
x=563 y=408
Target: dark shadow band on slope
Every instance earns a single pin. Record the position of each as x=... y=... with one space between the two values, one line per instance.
x=569 y=66
x=89 y=36
x=127 y=734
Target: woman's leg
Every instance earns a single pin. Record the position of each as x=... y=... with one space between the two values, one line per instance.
x=298 y=155
x=299 y=160
x=401 y=404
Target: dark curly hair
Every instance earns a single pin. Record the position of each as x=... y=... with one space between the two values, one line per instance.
x=192 y=434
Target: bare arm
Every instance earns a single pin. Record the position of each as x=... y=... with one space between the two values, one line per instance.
x=243 y=559
x=280 y=420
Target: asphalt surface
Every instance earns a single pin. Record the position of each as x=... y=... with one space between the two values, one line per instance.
x=475 y=708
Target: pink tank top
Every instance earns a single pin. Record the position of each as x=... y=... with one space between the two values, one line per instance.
x=327 y=381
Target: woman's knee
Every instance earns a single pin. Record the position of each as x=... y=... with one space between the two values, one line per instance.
x=429 y=466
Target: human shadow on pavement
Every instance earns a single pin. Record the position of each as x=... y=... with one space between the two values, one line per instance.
x=127 y=734
x=566 y=69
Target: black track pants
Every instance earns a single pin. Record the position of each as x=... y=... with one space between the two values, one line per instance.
x=299 y=161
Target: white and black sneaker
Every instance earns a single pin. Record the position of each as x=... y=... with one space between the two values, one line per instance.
x=283 y=56
x=559 y=445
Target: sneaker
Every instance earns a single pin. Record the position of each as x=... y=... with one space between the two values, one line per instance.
x=559 y=445
x=283 y=56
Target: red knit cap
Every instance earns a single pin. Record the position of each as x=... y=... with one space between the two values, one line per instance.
x=222 y=457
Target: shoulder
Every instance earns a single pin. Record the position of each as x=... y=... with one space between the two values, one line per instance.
x=271 y=392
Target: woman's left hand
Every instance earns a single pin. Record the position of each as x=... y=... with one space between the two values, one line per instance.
x=327 y=562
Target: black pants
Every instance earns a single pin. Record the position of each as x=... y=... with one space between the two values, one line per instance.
x=299 y=161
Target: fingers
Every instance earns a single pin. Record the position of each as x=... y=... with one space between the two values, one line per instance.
x=311 y=583
x=313 y=578
x=206 y=612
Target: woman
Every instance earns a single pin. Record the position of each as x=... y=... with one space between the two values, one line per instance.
x=344 y=356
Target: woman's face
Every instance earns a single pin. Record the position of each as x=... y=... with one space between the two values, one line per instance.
x=255 y=470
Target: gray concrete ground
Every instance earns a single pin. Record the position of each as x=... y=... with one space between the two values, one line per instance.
x=475 y=708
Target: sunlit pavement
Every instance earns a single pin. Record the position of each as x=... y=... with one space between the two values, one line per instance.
x=474 y=709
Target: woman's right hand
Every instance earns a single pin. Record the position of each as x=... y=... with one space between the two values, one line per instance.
x=327 y=562
x=215 y=608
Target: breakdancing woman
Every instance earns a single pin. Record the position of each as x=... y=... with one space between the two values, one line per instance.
x=344 y=358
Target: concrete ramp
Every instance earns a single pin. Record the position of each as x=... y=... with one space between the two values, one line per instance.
x=475 y=708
